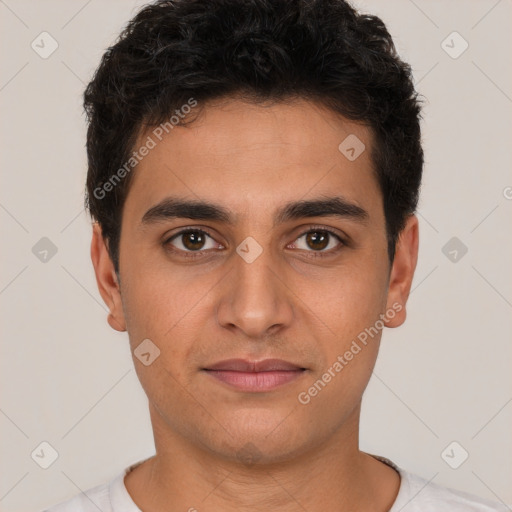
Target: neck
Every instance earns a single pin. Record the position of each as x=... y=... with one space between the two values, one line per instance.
x=335 y=475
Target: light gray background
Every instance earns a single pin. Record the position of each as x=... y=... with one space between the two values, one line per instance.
x=68 y=379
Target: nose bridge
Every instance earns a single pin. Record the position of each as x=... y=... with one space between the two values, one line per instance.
x=254 y=299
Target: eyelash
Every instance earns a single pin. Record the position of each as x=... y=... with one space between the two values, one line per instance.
x=200 y=253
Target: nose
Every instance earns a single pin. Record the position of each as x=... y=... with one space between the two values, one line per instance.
x=255 y=299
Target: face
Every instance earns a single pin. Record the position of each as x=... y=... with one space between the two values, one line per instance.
x=282 y=256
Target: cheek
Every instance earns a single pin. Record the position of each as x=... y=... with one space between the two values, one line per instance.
x=348 y=332
x=349 y=349
x=349 y=300
x=154 y=311
x=153 y=298
x=333 y=394
x=166 y=307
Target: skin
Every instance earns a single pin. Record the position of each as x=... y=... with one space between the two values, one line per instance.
x=287 y=304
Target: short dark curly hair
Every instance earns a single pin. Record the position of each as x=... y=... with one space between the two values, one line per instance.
x=260 y=50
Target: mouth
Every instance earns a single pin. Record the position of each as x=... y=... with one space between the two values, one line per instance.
x=255 y=376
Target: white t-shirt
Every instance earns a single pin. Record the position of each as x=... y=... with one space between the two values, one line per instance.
x=415 y=495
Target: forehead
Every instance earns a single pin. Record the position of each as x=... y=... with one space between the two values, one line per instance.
x=242 y=154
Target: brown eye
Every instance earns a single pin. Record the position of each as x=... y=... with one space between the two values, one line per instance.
x=319 y=240
x=191 y=240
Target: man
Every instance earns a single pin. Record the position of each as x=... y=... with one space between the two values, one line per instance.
x=254 y=169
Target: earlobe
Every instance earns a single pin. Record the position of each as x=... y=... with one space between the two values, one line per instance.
x=112 y=321
x=402 y=272
x=106 y=279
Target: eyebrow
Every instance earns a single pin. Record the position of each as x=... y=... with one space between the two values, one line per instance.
x=173 y=207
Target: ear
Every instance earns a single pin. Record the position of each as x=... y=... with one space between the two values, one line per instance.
x=402 y=272
x=106 y=279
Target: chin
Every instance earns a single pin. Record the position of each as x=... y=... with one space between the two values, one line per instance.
x=259 y=440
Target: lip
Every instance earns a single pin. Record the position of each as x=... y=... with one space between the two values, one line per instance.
x=243 y=365
x=255 y=376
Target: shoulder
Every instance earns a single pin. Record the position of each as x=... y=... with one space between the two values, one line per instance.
x=92 y=500
x=111 y=496
x=418 y=495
